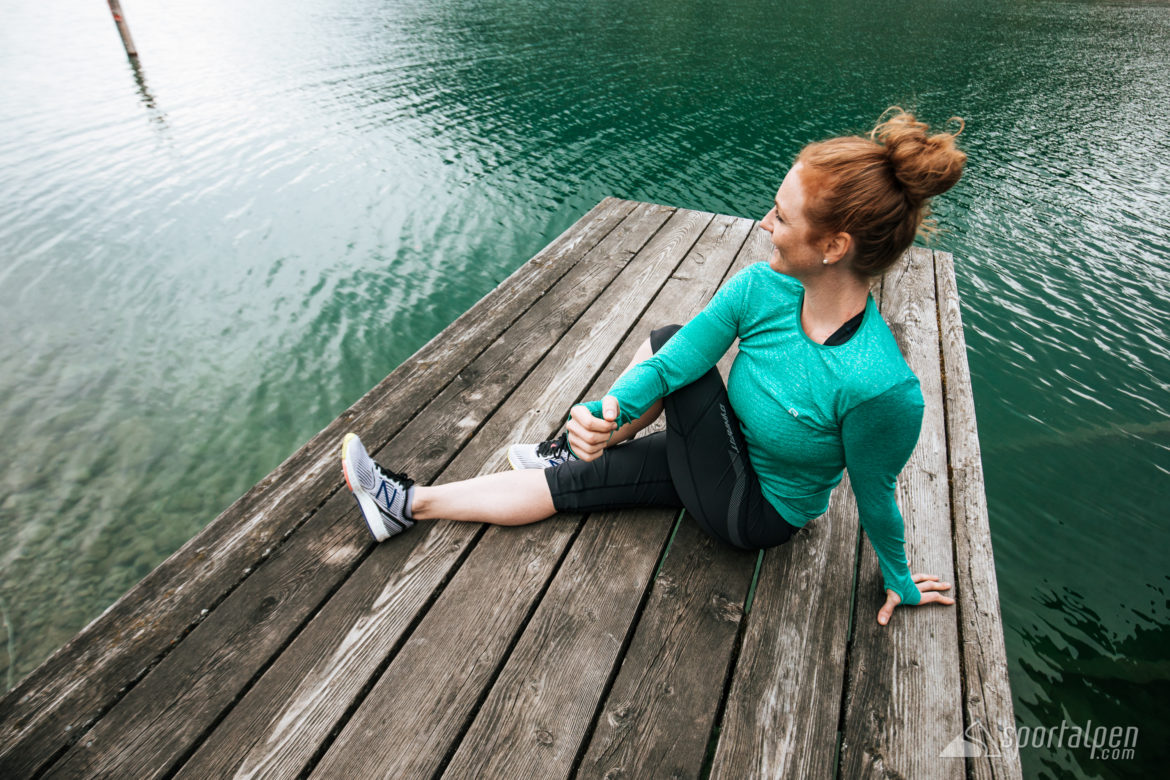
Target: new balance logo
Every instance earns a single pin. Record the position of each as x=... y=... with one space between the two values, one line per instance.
x=386 y=493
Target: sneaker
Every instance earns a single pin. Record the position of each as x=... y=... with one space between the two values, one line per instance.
x=380 y=494
x=545 y=455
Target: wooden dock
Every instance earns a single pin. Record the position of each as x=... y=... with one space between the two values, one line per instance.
x=281 y=642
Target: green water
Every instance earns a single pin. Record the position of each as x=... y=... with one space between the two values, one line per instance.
x=205 y=260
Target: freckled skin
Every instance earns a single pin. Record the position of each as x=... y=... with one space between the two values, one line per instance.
x=793 y=252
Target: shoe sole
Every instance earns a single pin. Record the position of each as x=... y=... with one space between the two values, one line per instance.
x=370 y=512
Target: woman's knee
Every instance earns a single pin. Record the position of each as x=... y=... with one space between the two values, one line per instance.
x=644 y=352
x=660 y=336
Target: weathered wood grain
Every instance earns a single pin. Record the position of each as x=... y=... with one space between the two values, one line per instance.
x=784 y=704
x=903 y=700
x=321 y=698
x=450 y=658
x=222 y=655
x=537 y=713
x=281 y=641
x=566 y=655
x=987 y=699
x=58 y=701
x=657 y=718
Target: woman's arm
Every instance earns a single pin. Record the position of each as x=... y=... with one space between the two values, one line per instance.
x=689 y=354
x=879 y=436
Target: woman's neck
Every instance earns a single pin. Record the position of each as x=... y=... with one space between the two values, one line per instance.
x=831 y=300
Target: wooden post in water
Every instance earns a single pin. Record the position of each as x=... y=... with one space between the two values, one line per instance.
x=123 y=29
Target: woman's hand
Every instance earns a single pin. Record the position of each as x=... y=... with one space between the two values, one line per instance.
x=928 y=586
x=588 y=435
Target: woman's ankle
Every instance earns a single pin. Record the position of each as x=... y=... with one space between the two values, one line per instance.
x=420 y=503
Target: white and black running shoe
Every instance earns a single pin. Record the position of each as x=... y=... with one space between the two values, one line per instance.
x=544 y=455
x=380 y=494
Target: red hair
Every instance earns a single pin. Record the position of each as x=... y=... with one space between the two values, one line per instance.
x=878 y=189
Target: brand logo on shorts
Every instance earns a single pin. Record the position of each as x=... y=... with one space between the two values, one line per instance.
x=727 y=426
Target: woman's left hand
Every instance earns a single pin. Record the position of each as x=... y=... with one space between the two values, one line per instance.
x=928 y=586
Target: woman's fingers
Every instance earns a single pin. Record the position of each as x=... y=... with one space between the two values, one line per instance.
x=588 y=423
x=928 y=585
x=929 y=582
x=582 y=445
x=588 y=435
x=887 y=610
x=583 y=450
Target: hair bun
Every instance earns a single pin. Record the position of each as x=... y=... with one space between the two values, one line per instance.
x=926 y=165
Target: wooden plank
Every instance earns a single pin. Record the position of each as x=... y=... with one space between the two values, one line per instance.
x=442 y=672
x=422 y=702
x=537 y=714
x=903 y=692
x=657 y=718
x=538 y=711
x=59 y=700
x=279 y=724
x=987 y=695
x=152 y=727
x=284 y=682
x=784 y=705
x=589 y=349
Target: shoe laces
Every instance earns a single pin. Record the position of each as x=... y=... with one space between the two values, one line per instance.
x=554 y=448
x=403 y=480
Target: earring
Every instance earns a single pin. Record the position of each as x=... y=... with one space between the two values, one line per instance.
x=825 y=261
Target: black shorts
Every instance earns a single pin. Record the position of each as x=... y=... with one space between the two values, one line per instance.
x=700 y=463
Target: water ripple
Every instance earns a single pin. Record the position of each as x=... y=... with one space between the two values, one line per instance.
x=208 y=257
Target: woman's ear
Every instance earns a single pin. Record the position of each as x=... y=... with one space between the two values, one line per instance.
x=836 y=247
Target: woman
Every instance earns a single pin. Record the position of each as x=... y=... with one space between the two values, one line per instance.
x=818 y=384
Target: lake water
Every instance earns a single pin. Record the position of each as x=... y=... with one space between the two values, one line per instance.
x=206 y=259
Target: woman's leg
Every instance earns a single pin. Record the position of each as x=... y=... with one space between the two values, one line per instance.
x=507 y=498
x=710 y=466
x=515 y=497
x=634 y=474
x=707 y=463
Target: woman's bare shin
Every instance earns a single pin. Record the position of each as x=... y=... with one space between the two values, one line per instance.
x=506 y=498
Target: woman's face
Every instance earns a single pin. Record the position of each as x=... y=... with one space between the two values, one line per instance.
x=793 y=253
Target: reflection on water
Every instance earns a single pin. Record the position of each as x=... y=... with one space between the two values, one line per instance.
x=207 y=256
x=144 y=93
x=1090 y=675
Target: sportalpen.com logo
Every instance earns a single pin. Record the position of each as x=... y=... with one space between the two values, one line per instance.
x=1104 y=743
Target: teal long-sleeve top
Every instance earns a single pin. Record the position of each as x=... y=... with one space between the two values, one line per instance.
x=807 y=410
